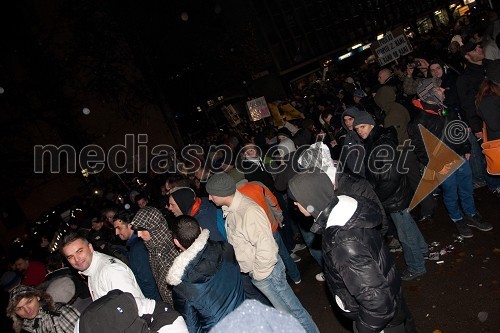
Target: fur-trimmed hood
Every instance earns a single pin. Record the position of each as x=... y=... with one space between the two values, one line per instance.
x=176 y=272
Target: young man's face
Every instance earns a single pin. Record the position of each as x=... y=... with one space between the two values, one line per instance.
x=282 y=137
x=383 y=75
x=123 y=230
x=348 y=121
x=44 y=242
x=436 y=70
x=477 y=54
x=79 y=254
x=97 y=225
x=218 y=201
x=173 y=207
x=21 y=265
x=364 y=130
x=142 y=203
x=110 y=215
x=28 y=307
x=251 y=151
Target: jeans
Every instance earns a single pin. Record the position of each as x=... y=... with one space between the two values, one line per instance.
x=280 y=294
x=458 y=187
x=251 y=292
x=290 y=265
x=411 y=239
x=312 y=240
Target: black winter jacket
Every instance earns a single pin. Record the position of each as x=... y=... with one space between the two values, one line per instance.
x=489 y=111
x=468 y=86
x=389 y=183
x=359 y=268
x=435 y=123
x=352 y=185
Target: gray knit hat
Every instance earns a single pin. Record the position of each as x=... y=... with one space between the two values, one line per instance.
x=221 y=185
x=363 y=118
x=427 y=93
x=19 y=293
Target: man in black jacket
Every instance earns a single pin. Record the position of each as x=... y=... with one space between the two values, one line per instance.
x=467 y=87
x=390 y=184
x=443 y=123
x=359 y=269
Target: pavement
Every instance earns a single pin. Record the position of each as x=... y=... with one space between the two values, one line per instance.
x=459 y=293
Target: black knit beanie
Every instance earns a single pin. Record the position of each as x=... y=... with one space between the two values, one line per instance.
x=184 y=198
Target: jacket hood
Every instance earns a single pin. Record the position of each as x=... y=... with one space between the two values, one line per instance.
x=342 y=212
x=351 y=112
x=349 y=212
x=385 y=96
x=313 y=189
x=184 y=198
x=202 y=270
x=153 y=221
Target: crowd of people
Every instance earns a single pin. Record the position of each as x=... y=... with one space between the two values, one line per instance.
x=202 y=248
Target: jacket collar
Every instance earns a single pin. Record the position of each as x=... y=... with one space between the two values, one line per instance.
x=178 y=268
x=95 y=266
x=433 y=109
x=133 y=239
x=235 y=204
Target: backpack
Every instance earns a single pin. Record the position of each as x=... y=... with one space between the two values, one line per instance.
x=115 y=312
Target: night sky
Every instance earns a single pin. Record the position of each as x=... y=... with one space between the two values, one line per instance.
x=56 y=56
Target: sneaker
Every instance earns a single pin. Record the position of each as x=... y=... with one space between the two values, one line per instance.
x=407 y=275
x=320 y=277
x=295 y=257
x=425 y=219
x=463 y=229
x=299 y=247
x=394 y=243
x=477 y=222
x=399 y=249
